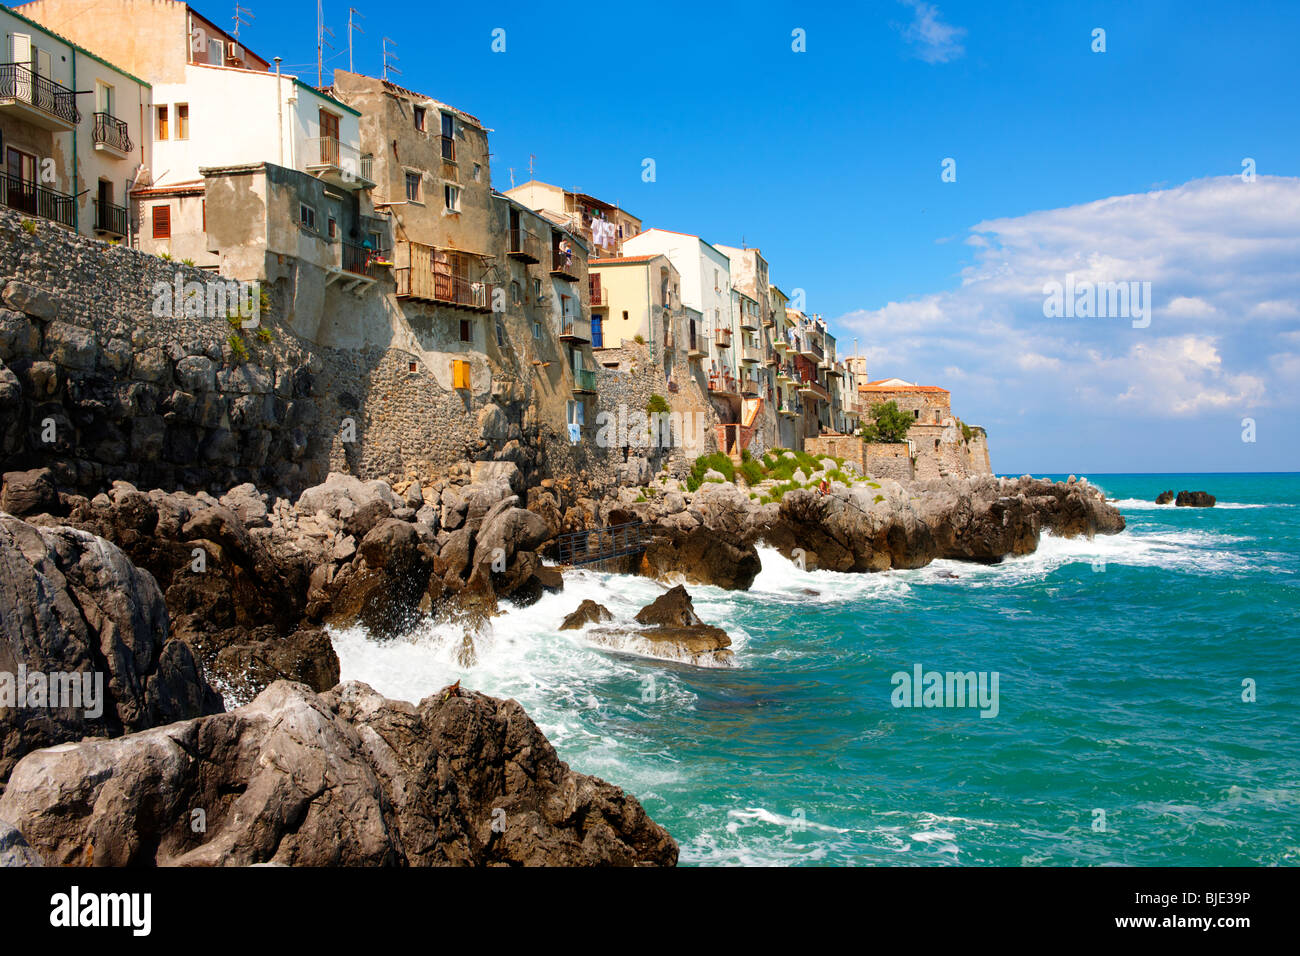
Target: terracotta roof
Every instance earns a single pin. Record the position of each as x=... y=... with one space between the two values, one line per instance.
x=196 y=187
x=619 y=260
x=893 y=385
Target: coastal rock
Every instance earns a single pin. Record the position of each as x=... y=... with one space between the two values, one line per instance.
x=1165 y=497
x=671 y=630
x=342 y=778
x=14 y=850
x=588 y=612
x=673 y=608
x=1195 y=499
x=73 y=604
x=29 y=493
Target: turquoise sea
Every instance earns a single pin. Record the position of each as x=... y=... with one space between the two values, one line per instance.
x=1121 y=736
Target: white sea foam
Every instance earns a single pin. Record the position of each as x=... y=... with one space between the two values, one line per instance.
x=1139 y=504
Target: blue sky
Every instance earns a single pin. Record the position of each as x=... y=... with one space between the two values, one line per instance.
x=829 y=160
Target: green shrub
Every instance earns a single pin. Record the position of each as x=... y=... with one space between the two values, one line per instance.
x=265 y=334
x=237 y=346
x=717 y=462
x=188 y=262
x=657 y=405
x=752 y=472
x=878 y=499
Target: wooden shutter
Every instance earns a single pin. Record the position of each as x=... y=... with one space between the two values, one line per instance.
x=162 y=222
x=460 y=374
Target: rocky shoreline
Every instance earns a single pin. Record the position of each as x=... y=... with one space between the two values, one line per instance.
x=207 y=616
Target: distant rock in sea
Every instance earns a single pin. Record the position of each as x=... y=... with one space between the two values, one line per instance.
x=1165 y=497
x=1195 y=499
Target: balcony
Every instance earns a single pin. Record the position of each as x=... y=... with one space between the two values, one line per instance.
x=584 y=381
x=36 y=200
x=810 y=389
x=748 y=322
x=695 y=348
x=361 y=261
x=722 y=338
x=111 y=135
x=780 y=344
x=599 y=299
x=525 y=246
x=748 y=386
x=575 y=329
x=338 y=163
x=722 y=384
x=771 y=359
x=832 y=368
x=110 y=220
x=36 y=99
x=751 y=355
x=433 y=275
x=564 y=265
x=810 y=349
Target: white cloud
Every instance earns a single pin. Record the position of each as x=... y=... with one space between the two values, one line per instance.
x=1223 y=260
x=932 y=40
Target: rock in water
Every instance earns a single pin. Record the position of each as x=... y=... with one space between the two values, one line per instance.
x=588 y=612
x=673 y=631
x=1165 y=497
x=1195 y=499
x=342 y=778
x=670 y=609
x=74 y=606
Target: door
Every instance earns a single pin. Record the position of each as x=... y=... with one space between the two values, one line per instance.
x=104 y=98
x=597 y=333
x=104 y=207
x=21 y=181
x=329 y=138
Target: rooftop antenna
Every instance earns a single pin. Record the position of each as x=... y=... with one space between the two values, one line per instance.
x=389 y=54
x=531 y=158
x=240 y=13
x=321 y=43
x=352 y=26
x=512 y=177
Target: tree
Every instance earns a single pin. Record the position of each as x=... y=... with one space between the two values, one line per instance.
x=890 y=424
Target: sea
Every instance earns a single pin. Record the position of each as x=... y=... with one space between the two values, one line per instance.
x=1140 y=699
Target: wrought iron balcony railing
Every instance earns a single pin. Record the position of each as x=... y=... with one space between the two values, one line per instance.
x=19 y=82
x=29 y=197
x=111 y=131
x=111 y=219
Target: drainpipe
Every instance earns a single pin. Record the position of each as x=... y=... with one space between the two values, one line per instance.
x=76 y=205
x=279 y=109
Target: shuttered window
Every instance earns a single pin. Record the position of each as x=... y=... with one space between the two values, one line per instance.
x=162 y=222
x=460 y=374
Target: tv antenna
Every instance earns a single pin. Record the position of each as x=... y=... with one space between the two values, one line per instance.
x=352 y=26
x=389 y=54
x=322 y=31
x=240 y=13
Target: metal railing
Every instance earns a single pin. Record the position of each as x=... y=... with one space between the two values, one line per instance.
x=600 y=544
x=526 y=244
x=562 y=262
x=452 y=288
x=19 y=82
x=575 y=327
x=28 y=197
x=328 y=152
x=111 y=131
x=361 y=261
x=584 y=380
x=110 y=218
x=751 y=353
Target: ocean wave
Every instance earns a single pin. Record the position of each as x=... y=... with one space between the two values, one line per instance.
x=1140 y=504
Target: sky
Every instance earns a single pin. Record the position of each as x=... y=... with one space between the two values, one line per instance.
x=1170 y=157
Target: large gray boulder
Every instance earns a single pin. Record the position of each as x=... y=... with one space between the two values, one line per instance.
x=341 y=778
x=76 y=611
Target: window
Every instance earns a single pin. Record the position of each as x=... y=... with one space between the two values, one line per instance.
x=466 y=331
x=916 y=413
x=333 y=228
x=216 y=52
x=306 y=216
x=162 y=222
x=412 y=366
x=501 y=334
x=104 y=99
x=204 y=203
x=516 y=292
x=537 y=329
x=478 y=172
x=413 y=187
x=419 y=114
x=182 y=120
x=625 y=315
x=575 y=413
x=459 y=374
x=448 y=138
x=329 y=127
x=451 y=197
x=376 y=242
x=161 y=127
x=537 y=289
